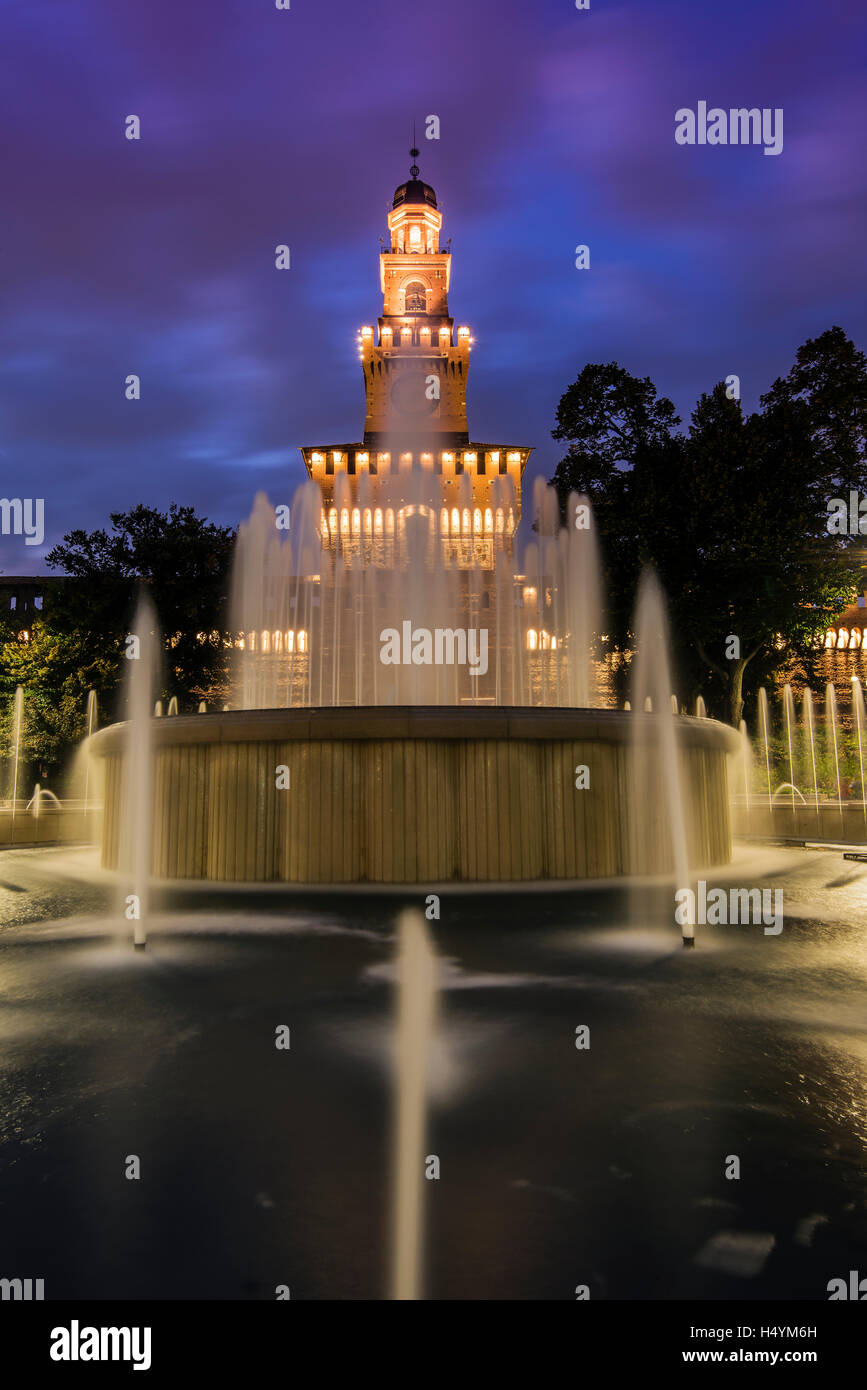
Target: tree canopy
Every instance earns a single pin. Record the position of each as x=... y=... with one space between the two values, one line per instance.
x=77 y=641
x=732 y=514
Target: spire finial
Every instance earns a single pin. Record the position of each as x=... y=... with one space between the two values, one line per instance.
x=413 y=169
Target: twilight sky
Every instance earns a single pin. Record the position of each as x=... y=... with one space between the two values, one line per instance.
x=262 y=126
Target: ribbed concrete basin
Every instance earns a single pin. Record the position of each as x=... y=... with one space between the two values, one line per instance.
x=413 y=795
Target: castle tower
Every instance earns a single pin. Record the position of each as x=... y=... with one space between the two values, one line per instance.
x=415 y=366
x=415 y=377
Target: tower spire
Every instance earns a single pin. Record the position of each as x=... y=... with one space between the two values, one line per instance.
x=413 y=168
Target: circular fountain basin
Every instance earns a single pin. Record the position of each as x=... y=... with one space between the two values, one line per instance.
x=415 y=794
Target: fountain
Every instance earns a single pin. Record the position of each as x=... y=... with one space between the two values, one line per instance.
x=811 y=738
x=765 y=727
x=858 y=702
x=129 y=783
x=413 y=768
x=410 y=700
x=823 y=761
x=17 y=739
x=656 y=754
x=833 y=747
x=415 y=1022
x=789 y=712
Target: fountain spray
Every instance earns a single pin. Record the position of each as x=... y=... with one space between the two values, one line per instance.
x=135 y=846
x=416 y=1013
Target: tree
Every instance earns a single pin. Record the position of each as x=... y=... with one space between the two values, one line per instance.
x=77 y=642
x=733 y=515
x=182 y=558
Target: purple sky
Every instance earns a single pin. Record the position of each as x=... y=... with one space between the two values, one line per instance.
x=262 y=126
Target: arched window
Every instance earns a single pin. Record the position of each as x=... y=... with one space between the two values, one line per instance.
x=415 y=299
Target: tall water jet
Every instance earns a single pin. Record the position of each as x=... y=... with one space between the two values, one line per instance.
x=309 y=613
x=745 y=761
x=90 y=718
x=17 y=739
x=811 y=740
x=700 y=708
x=417 y=986
x=134 y=853
x=765 y=728
x=789 y=712
x=858 y=701
x=655 y=741
x=583 y=608
x=831 y=733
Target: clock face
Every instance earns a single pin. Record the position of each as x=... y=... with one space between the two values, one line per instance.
x=409 y=395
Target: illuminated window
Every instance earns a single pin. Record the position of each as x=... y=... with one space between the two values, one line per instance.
x=427 y=460
x=444 y=521
x=448 y=458
x=415 y=299
x=367 y=332
x=499 y=521
x=489 y=520
x=377 y=521
x=531 y=639
x=415 y=234
x=513 y=457
x=318 y=458
x=469 y=458
x=332 y=520
x=456 y=521
x=338 y=457
x=389 y=522
x=302 y=641
x=495 y=456
x=356 y=520
x=344 y=521
x=406 y=335
x=466 y=520
x=477 y=521
x=362 y=459
x=383 y=460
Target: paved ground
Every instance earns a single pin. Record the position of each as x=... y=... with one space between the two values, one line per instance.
x=559 y=1167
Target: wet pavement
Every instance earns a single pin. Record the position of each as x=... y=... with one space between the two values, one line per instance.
x=560 y=1167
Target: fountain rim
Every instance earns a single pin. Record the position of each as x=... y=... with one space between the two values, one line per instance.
x=458 y=723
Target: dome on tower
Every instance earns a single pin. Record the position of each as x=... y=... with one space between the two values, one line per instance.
x=414 y=191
